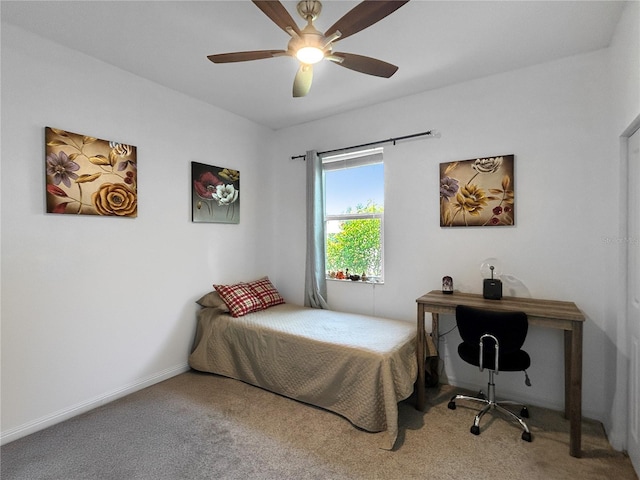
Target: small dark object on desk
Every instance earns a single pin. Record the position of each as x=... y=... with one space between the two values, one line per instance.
x=354 y=278
x=447 y=284
x=492 y=288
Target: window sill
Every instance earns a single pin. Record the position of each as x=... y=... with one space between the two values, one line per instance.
x=346 y=280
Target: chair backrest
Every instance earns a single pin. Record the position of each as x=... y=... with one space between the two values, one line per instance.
x=510 y=328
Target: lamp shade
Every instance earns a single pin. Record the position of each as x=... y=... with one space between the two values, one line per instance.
x=310 y=55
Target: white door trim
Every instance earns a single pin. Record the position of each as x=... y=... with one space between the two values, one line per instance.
x=629 y=239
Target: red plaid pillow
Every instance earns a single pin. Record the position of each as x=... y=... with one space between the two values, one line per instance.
x=266 y=292
x=239 y=298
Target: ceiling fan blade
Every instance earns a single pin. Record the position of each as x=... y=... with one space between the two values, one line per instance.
x=368 y=65
x=278 y=14
x=302 y=82
x=364 y=15
x=244 y=56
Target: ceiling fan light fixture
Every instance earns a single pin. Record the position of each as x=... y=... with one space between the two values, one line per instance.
x=310 y=55
x=310 y=46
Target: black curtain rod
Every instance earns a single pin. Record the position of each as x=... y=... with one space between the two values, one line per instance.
x=370 y=144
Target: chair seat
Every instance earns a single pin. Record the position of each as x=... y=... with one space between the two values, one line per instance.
x=508 y=362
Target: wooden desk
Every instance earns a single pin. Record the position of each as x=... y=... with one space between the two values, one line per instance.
x=546 y=313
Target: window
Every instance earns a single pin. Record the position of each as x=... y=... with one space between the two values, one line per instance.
x=354 y=214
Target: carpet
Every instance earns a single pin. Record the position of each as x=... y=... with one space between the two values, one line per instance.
x=203 y=426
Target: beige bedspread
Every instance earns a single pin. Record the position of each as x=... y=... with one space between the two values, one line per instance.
x=357 y=366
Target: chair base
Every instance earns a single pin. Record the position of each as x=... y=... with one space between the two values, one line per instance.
x=491 y=404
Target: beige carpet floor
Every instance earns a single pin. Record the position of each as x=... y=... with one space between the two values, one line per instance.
x=202 y=426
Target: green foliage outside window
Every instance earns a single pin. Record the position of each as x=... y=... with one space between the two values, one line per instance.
x=357 y=244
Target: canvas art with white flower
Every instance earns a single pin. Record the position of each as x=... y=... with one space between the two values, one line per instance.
x=477 y=192
x=215 y=194
x=89 y=176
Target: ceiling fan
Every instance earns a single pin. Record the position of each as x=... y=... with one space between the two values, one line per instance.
x=310 y=46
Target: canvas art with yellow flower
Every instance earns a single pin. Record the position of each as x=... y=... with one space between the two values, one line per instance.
x=477 y=192
x=89 y=176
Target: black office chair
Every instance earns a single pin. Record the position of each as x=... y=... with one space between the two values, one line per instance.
x=493 y=340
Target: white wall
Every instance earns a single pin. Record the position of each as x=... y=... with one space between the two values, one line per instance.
x=93 y=307
x=557 y=120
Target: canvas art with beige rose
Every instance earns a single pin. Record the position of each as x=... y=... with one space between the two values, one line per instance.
x=89 y=176
x=477 y=192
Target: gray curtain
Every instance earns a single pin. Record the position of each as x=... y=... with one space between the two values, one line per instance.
x=315 y=283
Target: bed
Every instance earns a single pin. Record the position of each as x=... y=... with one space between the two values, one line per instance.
x=357 y=366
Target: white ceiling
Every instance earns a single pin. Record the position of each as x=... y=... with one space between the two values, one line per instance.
x=435 y=43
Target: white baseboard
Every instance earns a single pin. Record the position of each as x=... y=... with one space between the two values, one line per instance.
x=75 y=410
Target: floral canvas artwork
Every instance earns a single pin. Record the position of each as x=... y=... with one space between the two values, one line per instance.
x=215 y=194
x=477 y=192
x=89 y=176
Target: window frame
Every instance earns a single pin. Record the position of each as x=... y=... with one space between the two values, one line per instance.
x=355 y=159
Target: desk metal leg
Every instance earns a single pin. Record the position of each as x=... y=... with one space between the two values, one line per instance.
x=420 y=383
x=573 y=387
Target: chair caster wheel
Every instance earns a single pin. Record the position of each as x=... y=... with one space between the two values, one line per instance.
x=451 y=405
x=475 y=430
x=524 y=412
x=526 y=436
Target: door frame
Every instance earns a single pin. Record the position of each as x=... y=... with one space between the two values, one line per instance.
x=624 y=325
